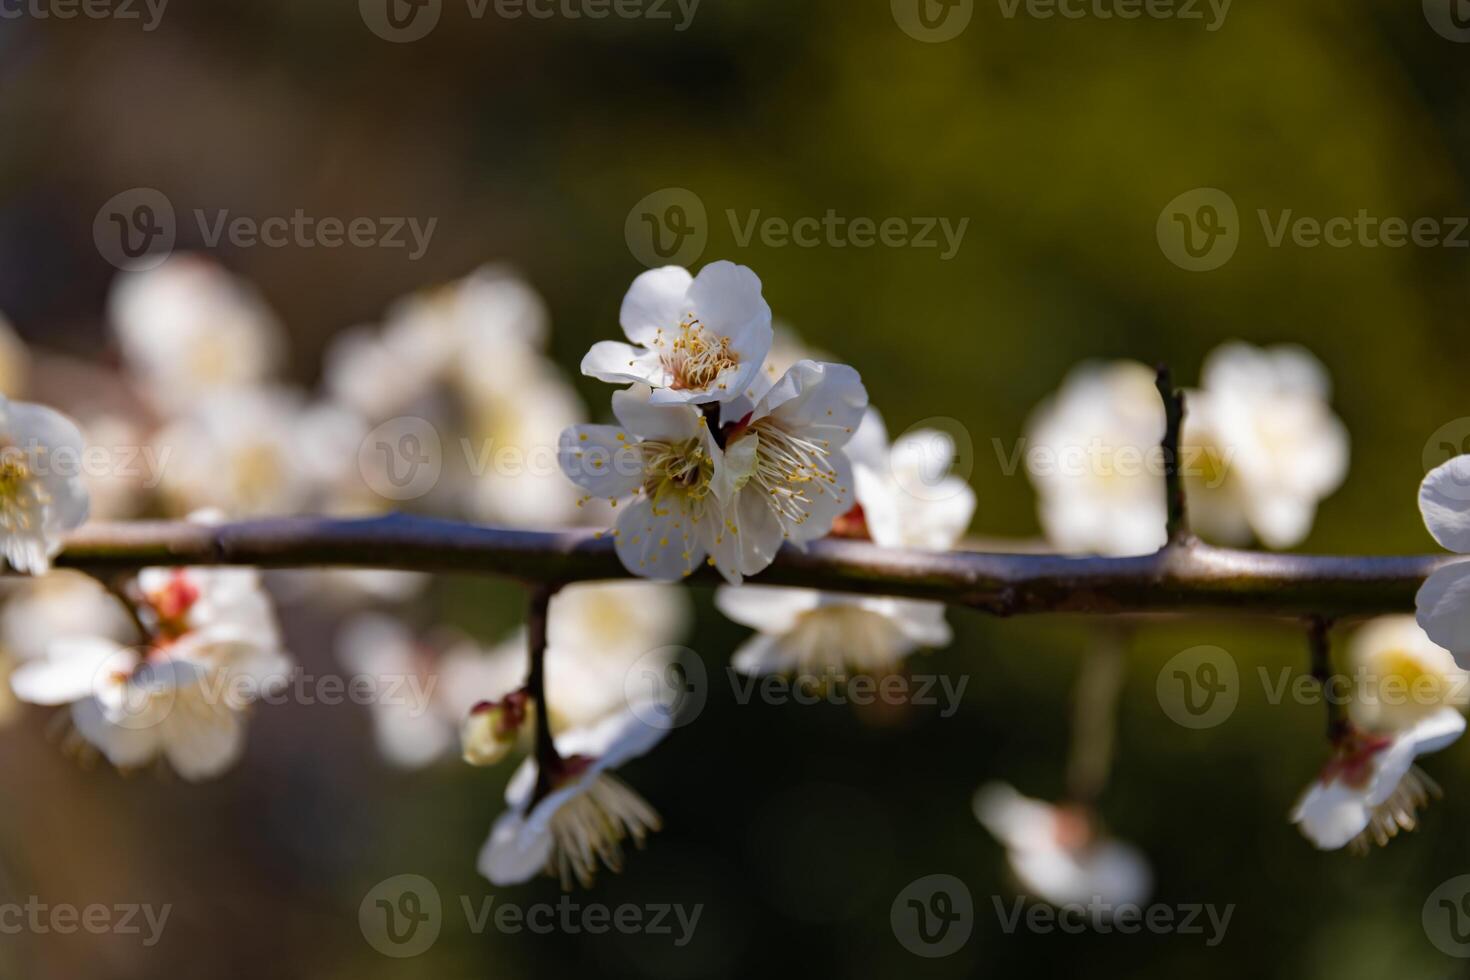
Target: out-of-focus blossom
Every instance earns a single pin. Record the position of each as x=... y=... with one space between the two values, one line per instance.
x=1088 y=451
x=1444 y=598
x=1401 y=676
x=587 y=817
x=409 y=729
x=188 y=329
x=134 y=467
x=256 y=451
x=823 y=633
x=777 y=475
x=43 y=494
x=1059 y=855
x=514 y=433
x=213 y=648
x=1261 y=446
x=15 y=361
x=694 y=339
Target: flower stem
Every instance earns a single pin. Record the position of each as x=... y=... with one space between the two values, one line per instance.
x=1177 y=525
x=1319 y=641
x=548 y=760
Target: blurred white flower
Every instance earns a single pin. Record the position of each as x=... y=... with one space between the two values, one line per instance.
x=777 y=475
x=1444 y=598
x=15 y=361
x=121 y=489
x=694 y=339
x=1371 y=789
x=42 y=491
x=1401 y=677
x=381 y=376
x=410 y=730
x=617 y=621
x=188 y=328
x=213 y=649
x=39 y=611
x=514 y=434
x=823 y=633
x=586 y=818
x=1058 y=854
x=1089 y=449
x=1261 y=446
x=257 y=451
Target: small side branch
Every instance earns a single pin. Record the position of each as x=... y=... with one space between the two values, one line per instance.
x=1177 y=524
x=548 y=760
x=1319 y=642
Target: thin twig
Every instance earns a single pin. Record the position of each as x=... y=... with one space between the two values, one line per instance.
x=1094 y=714
x=1319 y=642
x=1195 y=579
x=548 y=760
x=1177 y=524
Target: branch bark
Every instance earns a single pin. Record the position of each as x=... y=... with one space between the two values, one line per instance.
x=1187 y=577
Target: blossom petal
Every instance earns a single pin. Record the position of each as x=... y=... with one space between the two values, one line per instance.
x=824 y=401
x=513 y=855
x=1331 y=815
x=601 y=459
x=766 y=608
x=829 y=501
x=657 y=300
x=203 y=739
x=666 y=423
x=1444 y=500
x=619 y=363
x=69 y=672
x=1444 y=609
x=659 y=541
x=125 y=746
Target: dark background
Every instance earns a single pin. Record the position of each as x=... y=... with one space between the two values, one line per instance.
x=530 y=141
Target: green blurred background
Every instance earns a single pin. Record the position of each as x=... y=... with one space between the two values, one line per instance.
x=530 y=141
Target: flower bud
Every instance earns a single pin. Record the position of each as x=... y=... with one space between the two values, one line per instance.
x=491 y=729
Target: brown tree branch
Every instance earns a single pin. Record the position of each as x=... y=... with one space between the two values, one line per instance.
x=1180 y=578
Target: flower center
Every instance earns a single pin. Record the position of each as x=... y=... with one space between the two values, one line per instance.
x=1399 y=812
x=676 y=467
x=791 y=470
x=591 y=828
x=1353 y=762
x=19 y=493
x=696 y=358
x=171 y=604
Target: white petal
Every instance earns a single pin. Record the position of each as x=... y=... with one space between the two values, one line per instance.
x=70 y=671
x=764 y=655
x=124 y=746
x=511 y=855
x=202 y=739
x=1444 y=609
x=659 y=542
x=1437 y=731
x=618 y=363
x=601 y=459
x=1444 y=500
x=1330 y=816
x=613 y=741
x=822 y=401
x=829 y=502
x=766 y=608
x=658 y=299
x=642 y=418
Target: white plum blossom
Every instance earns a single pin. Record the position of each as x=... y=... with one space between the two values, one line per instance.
x=1058 y=853
x=585 y=819
x=1407 y=699
x=823 y=633
x=43 y=494
x=409 y=730
x=213 y=648
x=189 y=328
x=1371 y=788
x=257 y=451
x=731 y=496
x=1444 y=598
x=694 y=339
x=1261 y=445
x=39 y=611
x=1088 y=451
